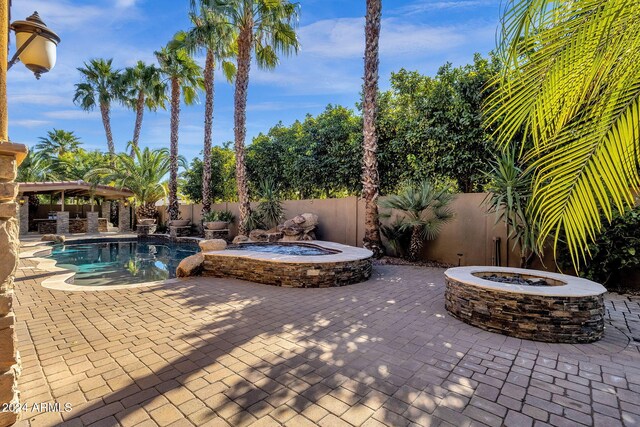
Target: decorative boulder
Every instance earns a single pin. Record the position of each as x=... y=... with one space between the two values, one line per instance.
x=191 y=266
x=55 y=238
x=212 y=245
x=259 y=235
x=300 y=227
x=269 y=236
x=310 y=220
x=240 y=239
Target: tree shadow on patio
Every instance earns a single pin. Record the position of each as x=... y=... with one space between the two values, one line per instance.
x=247 y=350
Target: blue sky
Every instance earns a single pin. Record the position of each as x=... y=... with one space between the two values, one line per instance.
x=416 y=34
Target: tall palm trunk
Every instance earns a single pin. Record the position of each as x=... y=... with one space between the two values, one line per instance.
x=106 y=122
x=138 y=126
x=209 y=74
x=370 y=177
x=174 y=208
x=416 y=243
x=240 y=119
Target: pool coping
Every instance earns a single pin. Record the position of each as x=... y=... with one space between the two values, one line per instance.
x=62 y=278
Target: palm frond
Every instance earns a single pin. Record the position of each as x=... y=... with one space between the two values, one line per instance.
x=572 y=84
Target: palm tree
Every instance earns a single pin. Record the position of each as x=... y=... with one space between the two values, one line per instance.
x=370 y=176
x=266 y=27
x=142 y=87
x=422 y=210
x=185 y=77
x=211 y=32
x=571 y=82
x=58 y=142
x=36 y=167
x=143 y=174
x=99 y=87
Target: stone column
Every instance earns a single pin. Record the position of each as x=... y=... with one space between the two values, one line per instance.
x=62 y=222
x=106 y=210
x=92 y=222
x=24 y=216
x=11 y=155
x=124 y=218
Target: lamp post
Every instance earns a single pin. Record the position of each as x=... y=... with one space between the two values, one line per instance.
x=35 y=45
x=36 y=48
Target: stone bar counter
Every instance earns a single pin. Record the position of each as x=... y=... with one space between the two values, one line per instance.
x=76 y=225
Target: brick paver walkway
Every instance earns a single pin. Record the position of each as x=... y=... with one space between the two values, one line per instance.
x=217 y=352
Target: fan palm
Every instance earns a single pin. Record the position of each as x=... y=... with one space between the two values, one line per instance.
x=143 y=174
x=36 y=167
x=211 y=32
x=571 y=81
x=142 y=87
x=370 y=176
x=185 y=77
x=266 y=27
x=58 y=142
x=422 y=210
x=99 y=87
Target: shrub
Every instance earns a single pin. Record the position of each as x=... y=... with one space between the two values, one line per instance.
x=615 y=254
x=226 y=216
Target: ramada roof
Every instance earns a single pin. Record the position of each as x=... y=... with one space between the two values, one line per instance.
x=74 y=188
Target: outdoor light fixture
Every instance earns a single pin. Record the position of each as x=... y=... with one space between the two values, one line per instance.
x=35 y=45
x=21 y=202
x=126 y=203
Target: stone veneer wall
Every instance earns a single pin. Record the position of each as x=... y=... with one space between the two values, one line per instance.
x=533 y=317
x=124 y=218
x=105 y=209
x=9 y=232
x=62 y=222
x=92 y=222
x=294 y=275
x=24 y=216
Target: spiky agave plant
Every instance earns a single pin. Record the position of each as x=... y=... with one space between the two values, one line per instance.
x=509 y=194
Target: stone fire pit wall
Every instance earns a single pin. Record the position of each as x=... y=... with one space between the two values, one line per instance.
x=569 y=313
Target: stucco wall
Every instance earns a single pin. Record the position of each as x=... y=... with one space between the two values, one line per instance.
x=470 y=233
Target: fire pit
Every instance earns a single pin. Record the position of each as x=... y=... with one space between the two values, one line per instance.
x=529 y=304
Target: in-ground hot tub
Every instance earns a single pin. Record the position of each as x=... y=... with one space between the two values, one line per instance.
x=315 y=264
x=566 y=310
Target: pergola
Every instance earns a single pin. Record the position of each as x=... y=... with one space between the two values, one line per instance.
x=73 y=189
x=61 y=224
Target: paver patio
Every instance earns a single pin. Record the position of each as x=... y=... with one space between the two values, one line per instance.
x=217 y=352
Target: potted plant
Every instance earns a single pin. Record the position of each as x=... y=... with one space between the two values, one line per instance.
x=218 y=220
x=179 y=222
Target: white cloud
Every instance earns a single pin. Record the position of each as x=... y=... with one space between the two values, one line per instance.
x=37 y=99
x=428 y=6
x=125 y=3
x=59 y=15
x=71 y=114
x=28 y=123
x=344 y=38
x=330 y=61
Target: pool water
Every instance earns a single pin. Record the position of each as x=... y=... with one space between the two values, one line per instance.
x=121 y=263
x=283 y=249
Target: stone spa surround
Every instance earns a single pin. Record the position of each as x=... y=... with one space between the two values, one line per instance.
x=568 y=310
x=345 y=266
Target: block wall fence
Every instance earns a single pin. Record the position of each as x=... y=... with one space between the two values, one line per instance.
x=470 y=233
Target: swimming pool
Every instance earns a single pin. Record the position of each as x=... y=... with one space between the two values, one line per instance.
x=121 y=262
